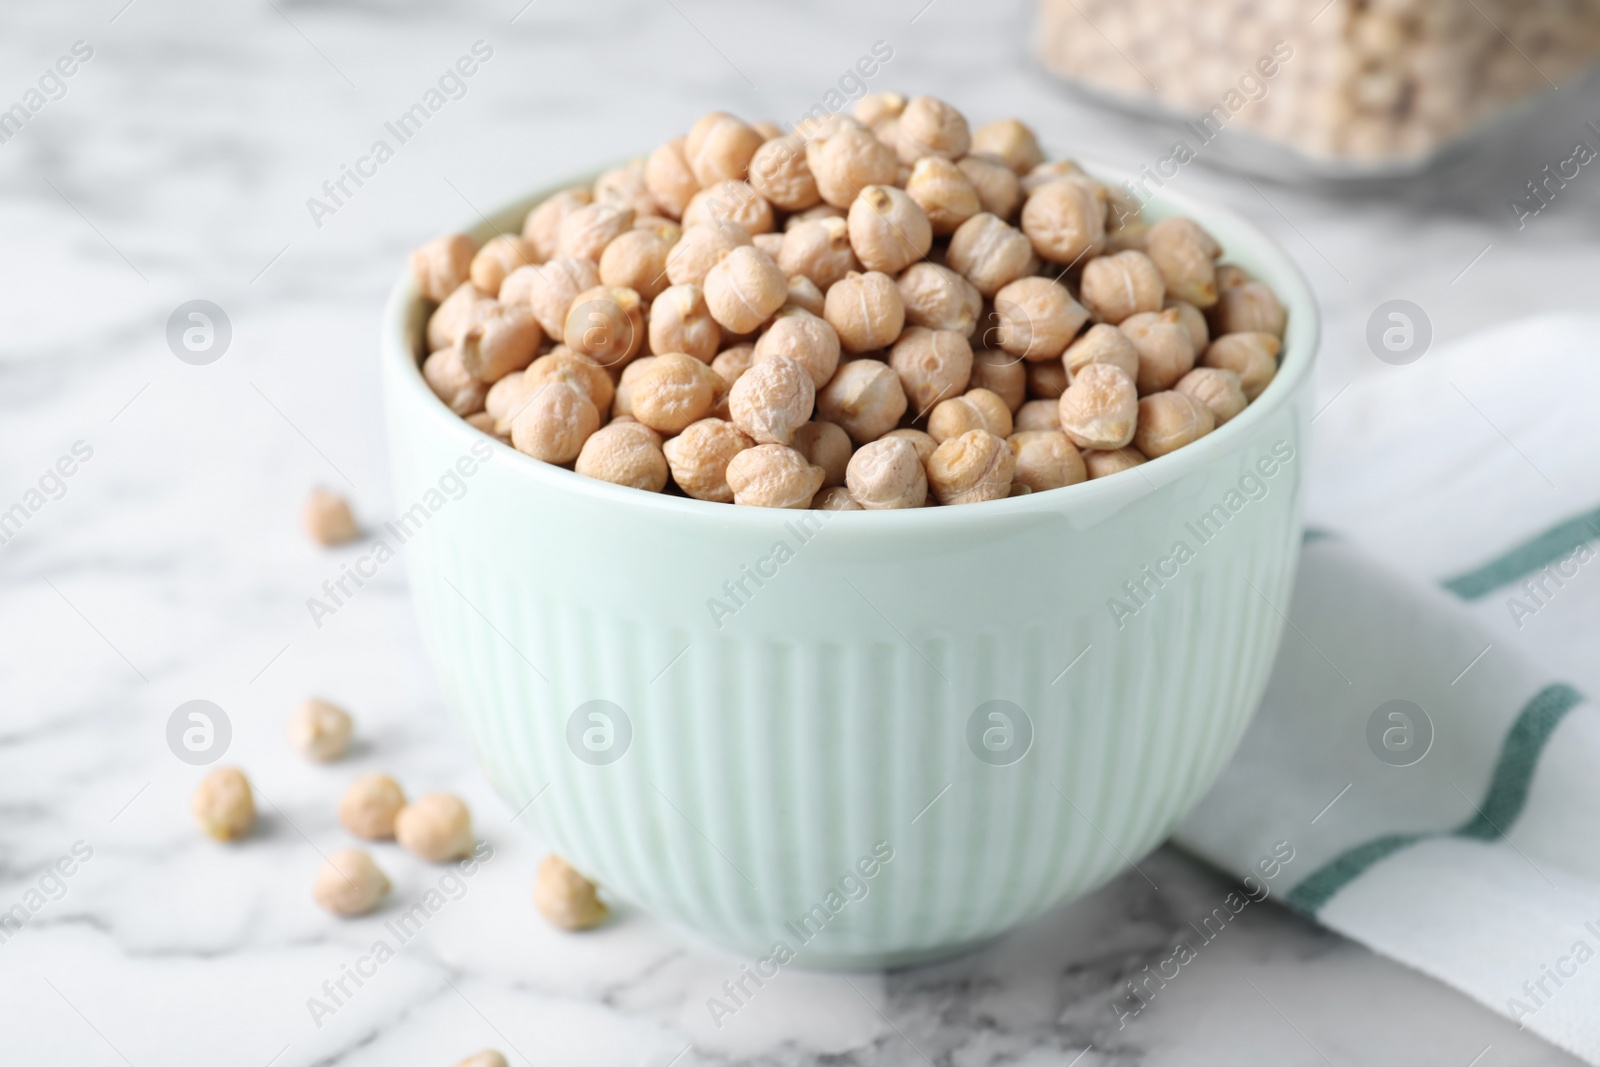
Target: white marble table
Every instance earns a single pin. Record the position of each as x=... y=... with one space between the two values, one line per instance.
x=177 y=165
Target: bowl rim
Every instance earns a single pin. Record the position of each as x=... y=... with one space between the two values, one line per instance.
x=402 y=376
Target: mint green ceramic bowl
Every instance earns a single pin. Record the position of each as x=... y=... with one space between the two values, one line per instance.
x=795 y=739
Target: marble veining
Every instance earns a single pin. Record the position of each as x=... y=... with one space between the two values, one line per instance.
x=178 y=165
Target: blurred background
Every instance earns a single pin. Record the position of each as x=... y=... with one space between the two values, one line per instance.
x=179 y=161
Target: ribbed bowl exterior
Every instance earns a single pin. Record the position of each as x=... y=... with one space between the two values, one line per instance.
x=806 y=763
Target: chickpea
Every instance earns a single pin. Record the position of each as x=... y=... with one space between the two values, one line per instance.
x=804 y=338
x=730 y=201
x=625 y=186
x=1231 y=275
x=566 y=898
x=327 y=519
x=938 y=298
x=819 y=250
x=701 y=248
x=1002 y=374
x=779 y=172
x=943 y=192
x=552 y=292
x=768 y=130
x=1185 y=254
x=1103 y=343
x=977 y=409
x=622 y=398
x=722 y=152
x=837 y=498
x=1038 y=318
x=1047 y=379
x=864 y=398
x=920 y=440
x=504 y=399
x=744 y=289
x=554 y=423
x=681 y=322
x=1010 y=141
x=698 y=458
x=673 y=391
x=847 y=160
x=875 y=107
x=1043 y=414
x=440 y=266
x=636 y=260
x=349 y=883
x=933 y=365
x=606 y=324
x=1248 y=308
x=625 y=453
x=1046 y=459
x=772 y=399
x=887 y=474
x=701 y=128
x=497 y=259
x=1252 y=356
x=320 y=731
x=223 y=804
x=1100 y=408
x=997 y=185
x=483 y=422
x=667 y=229
x=1104 y=464
x=989 y=253
x=1219 y=390
x=517 y=288
x=731 y=362
x=1064 y=222
x=888 y=231
x=773 y=476
x=824 y=445
x=580 y=372
x=369 y=806
x=669 y=179
x=460 y=391
x=1119 y=285
x=804 y=294
x=865 y=310
x=719 y=409
x=1170 y=420
x=770 y=243
x=1166 y=352
x=457 y=311
x=1054 y=171
x=1193 y=321
x=436 y=826
x=587 y=230
x=542 y=227
x=821 y=211
x=970 y=468
x=931 y=127
x=486 y=1058
x=502 y=340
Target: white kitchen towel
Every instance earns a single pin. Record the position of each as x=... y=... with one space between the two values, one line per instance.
x=1425 y=750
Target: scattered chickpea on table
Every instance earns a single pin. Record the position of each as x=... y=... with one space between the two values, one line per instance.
x=884 y=310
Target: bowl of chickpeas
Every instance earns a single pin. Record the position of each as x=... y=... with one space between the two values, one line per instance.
x=631 y=417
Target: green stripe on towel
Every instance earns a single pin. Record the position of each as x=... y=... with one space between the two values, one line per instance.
x=1527 y=557
x=1519 y=758
x=1320 y=886
x=1508 y=794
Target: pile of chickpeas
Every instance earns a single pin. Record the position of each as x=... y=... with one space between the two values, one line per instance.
x=1367 y=81
x=889 y=310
